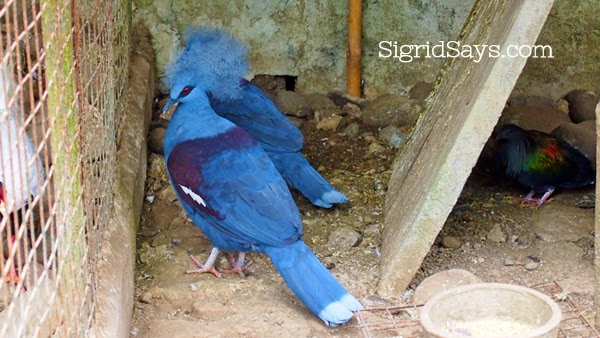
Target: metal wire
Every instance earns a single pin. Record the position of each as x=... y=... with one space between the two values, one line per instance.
x=403 y=320
x=63 y=79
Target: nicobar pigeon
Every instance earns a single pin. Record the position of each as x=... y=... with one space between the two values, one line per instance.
x=246 y=105
x=228 y=185
x=542 y=162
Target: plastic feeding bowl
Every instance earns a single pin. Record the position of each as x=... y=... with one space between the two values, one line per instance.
x=490 y=310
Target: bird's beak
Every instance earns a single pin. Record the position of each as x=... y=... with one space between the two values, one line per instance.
x=168 y=106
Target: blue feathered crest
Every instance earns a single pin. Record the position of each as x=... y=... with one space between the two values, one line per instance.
x=213 y=56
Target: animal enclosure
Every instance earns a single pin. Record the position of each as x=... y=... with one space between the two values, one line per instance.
x=64 y=76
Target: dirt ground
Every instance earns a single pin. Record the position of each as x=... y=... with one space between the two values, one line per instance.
x=169 y=303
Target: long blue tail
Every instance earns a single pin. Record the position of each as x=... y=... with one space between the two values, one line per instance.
x=298 y=173
x=313 y=283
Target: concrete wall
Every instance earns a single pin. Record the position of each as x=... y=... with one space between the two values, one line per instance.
x=573 y=31
x=307 y=39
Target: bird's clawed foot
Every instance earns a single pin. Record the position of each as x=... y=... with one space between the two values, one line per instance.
x=12 y=277
x=209 y=266
x=534 y=203
x=239 y=266
x=529 y=201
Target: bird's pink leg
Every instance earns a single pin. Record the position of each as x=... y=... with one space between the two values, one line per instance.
x=238 y=266
x=528 y=199
x=12 y=276
x=545 y=196
x=209 y=266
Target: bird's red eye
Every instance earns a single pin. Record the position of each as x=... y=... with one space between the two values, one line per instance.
x=185 y=91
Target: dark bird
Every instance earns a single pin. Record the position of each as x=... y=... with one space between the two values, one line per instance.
x=231 y=190
x=250 y=108
x=542 y=162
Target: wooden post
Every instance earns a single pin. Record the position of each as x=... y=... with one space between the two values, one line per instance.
x=354 y=46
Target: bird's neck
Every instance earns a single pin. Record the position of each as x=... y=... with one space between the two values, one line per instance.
x=194 y=120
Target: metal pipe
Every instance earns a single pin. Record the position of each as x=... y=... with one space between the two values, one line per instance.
x=354 y=46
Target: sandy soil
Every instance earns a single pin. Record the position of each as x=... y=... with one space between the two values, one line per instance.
x=170 y=303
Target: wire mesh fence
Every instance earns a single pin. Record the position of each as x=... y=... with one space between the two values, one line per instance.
x=63 y=71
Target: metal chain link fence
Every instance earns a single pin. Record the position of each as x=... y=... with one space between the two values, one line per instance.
x=63 y=76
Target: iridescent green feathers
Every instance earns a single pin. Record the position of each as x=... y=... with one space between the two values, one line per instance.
x=541 y=161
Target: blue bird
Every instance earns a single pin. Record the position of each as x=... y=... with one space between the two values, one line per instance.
x=231 y=190
x=257 y=114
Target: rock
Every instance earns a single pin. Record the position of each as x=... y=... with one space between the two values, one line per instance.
x=442 y=281
x=352 y=130
x=582 y=105
x=318 y=101
x=296 y=121
x=145 y=297
x=420 y=91
x=344 y=237
x=341 y=98
x=269 y=84
x=391 y=109
x=392 y=136
x=532 y=112
x=155 y=140
x=375 y=147
x=451 y=242
x=150 y=296
x=346 y=121
x=508 y=262
x=324 y=113
x=532 y=266
x=162 y=103
x=373 y=229
x=522 y=241
x=580 y=136
x=589 y=125
x=352 y=110
x=563 y=106
x=531 y=101
x=292 y=103
x=167 y=194
x=157 y=169
x=329 y=123
x=496 y=235
x=562 y=223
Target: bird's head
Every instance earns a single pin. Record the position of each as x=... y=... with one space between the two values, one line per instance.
x=183 y=89
x=509 y=132
x=211 y=62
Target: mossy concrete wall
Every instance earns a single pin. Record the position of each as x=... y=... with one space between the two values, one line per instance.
x=573 y=31
x=307 y=39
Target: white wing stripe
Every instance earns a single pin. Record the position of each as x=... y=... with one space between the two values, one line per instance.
x=193 y=195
